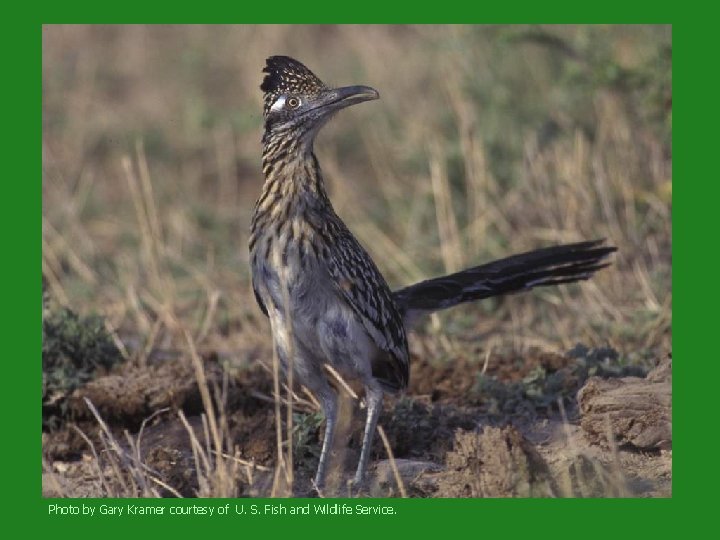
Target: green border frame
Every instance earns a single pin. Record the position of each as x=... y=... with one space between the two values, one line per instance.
x=557 y=518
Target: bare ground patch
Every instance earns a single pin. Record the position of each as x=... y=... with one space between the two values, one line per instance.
x=447 y=441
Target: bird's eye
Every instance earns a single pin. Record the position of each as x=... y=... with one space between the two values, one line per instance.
x=293 y=102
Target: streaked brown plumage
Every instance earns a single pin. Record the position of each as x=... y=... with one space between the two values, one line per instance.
x=326 y=299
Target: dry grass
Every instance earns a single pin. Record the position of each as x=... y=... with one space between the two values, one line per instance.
x=486 y=141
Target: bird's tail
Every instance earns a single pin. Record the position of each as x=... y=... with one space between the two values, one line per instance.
x=538 y=268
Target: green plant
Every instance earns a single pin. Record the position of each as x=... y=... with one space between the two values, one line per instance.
x=74 y=349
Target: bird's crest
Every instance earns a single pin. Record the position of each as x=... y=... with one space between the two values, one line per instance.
x=286 y=75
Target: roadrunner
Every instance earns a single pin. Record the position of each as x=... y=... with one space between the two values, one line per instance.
x=326 y=299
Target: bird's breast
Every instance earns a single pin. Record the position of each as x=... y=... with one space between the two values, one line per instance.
x=285 y=262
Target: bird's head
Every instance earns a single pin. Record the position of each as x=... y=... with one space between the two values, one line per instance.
x=298 y=102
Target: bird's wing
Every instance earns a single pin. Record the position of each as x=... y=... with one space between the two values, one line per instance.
x=360 y=283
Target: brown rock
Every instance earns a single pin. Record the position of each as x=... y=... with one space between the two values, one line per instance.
x=637 y=411
x=499 y=462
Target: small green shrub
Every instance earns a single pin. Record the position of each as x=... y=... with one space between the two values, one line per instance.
x=74 y=348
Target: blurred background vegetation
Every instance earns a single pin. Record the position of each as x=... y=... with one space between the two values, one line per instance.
x=487 y=140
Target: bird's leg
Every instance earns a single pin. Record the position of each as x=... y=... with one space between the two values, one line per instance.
x=328 y=400
x=374 y=397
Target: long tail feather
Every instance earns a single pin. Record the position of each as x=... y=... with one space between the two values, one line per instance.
x=542 y=267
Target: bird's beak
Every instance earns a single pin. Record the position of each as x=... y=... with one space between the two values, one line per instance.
x=339 y=98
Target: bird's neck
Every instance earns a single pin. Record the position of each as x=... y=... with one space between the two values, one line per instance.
x=293 y=181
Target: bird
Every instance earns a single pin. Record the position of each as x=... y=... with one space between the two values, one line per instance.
x=326 y=300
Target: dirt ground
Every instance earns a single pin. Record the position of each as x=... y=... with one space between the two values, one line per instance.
x=450 y=436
